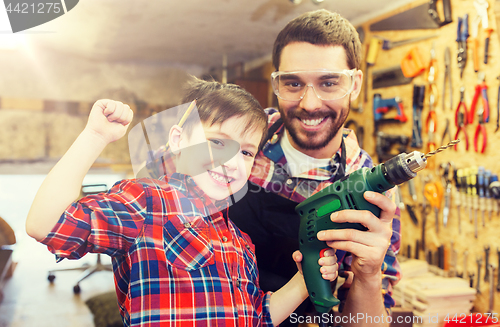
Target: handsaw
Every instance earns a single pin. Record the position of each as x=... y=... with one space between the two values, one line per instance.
x=421 y=17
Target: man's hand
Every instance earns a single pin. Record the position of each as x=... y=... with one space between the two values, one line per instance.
x=367 y=247
x=109 y=120
x=329 y=267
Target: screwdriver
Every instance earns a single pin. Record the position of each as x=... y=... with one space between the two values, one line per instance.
x=480 y=191
x=487 y=194
x=458 y=196
x=474 y=197
x=469 y=191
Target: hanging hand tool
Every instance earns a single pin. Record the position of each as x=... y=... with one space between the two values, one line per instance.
x=498 y=108
x=446 y=133
x=452 y=266
x=425 y=212
x=487 y=262
x=424 y=16
x=480 y=133
x=382 y=106
x=411 y=212
x=447 y=79
x=495 y=192
x=465 y=264
x=388 y=44
x=491 y=271
x=479 y=261
x=481 y=90
x=474 y=196
x=498 y=277
x=462 y=35
x=467 y=175
x=412 y=190
x=480 y=192
x=446 y=169
x=482 y=18
x=487 y=193
x=371 y=58
x=433 y=192
x=459 y=197
x=431 y=121
x=461 y=119
x=418 y=106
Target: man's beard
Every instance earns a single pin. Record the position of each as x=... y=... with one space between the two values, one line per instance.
x=308 y=142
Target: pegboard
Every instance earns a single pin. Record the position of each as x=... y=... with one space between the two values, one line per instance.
x=446 y=37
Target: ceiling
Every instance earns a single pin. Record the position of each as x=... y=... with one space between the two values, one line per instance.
x=184 y=32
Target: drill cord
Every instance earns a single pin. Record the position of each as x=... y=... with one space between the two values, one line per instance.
x=440 y=149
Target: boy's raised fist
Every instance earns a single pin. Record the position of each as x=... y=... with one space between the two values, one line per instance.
x=109 y=119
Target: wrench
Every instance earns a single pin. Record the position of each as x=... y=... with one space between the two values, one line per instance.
x=487 y=262
x=479 y=262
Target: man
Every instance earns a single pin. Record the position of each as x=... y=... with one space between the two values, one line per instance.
x=317 y=57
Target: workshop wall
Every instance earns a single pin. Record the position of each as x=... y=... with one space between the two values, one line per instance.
x=45 y=99
x=446 y=37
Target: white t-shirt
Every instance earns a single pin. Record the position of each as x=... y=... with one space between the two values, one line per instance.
x=298 y=162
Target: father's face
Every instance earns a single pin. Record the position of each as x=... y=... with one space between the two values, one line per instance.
x=312 y=123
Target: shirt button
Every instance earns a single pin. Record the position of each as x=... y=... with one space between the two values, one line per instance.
x=238 y=283
x=289 y=181
x=247 y=246
x=187 y=225
x=224 y=239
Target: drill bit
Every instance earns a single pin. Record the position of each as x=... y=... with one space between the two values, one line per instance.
x=440 y=149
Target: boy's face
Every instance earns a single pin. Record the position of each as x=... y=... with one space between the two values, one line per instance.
x=221 y=162
x=311 y=122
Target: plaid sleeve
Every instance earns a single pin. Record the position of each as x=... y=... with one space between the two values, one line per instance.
x=102 y=223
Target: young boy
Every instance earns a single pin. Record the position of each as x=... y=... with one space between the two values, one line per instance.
x=178 y=260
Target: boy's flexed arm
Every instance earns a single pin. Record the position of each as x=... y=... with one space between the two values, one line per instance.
x=108 y=121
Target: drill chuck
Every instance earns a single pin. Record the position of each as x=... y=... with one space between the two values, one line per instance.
x=404 y=167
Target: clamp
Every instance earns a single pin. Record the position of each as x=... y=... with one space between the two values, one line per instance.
x=462 y=35
x=481 y=90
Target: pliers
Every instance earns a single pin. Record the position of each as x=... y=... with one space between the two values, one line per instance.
x=461 y=119
x=481 y=90
x=462 y=35
x=461 y=103
x=480 y=129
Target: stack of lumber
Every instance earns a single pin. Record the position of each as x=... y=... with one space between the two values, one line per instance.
x=432 y=298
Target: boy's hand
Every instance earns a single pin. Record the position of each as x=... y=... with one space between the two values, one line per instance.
x=109 y=119
x=367 y=247
x=329 y=267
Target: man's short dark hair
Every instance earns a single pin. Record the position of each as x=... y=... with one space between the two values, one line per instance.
x=217 y=102
x=320 y=27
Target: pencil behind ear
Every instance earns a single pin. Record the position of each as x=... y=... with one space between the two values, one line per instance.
x=174 y=139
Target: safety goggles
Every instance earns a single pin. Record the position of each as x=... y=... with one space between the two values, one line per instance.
x=327 y=85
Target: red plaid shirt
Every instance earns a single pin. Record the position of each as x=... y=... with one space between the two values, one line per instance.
x=269 y=172
x=177 y=260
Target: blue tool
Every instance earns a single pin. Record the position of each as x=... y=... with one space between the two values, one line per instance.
x=382 y=106
x=462 y=36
